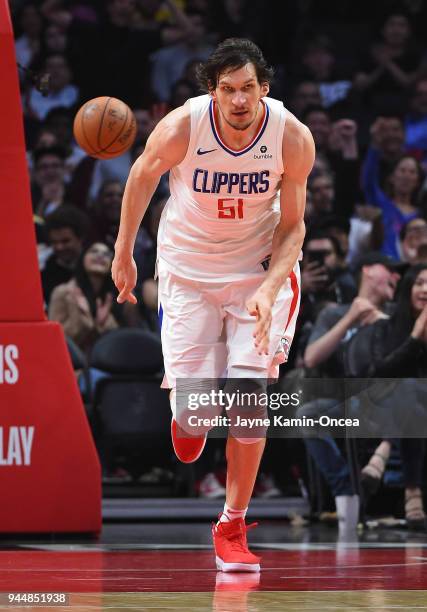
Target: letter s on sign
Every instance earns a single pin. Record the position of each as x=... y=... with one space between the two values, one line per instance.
x=8 y=368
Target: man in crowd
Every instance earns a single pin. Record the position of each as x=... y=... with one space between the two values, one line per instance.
x=66 y=229
x=334 y=326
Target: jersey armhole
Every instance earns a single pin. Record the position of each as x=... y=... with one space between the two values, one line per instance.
x=193 y=129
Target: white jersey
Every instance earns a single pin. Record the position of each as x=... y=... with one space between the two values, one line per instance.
x=219 y=221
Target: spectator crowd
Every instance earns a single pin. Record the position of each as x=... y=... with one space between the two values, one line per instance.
x=365 y=251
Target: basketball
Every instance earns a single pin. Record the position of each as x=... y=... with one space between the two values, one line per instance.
x=104 y=127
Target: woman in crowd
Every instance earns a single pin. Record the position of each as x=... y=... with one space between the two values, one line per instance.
x=85 y=306
x=399 y=205
x=398 y=349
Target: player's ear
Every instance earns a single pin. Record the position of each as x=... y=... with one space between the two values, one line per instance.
x=265 y=88
x=212 y=91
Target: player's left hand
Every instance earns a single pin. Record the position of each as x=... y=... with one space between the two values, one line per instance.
x=260 y=306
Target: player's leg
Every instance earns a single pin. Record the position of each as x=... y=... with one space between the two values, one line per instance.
x=243 y=452
x=243 y=461
x=245 y=448
x=193 y=350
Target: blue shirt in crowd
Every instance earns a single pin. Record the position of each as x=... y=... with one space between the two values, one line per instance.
x=393 y=218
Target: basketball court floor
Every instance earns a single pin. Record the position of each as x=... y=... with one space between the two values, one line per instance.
x=161 y=566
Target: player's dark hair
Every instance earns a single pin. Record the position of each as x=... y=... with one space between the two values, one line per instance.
x=232 y=54
x=67 y=216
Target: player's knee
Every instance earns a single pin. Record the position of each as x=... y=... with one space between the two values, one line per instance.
x=194 y=416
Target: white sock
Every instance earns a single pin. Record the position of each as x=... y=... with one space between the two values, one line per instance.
x=347 y=511
x=229 y=514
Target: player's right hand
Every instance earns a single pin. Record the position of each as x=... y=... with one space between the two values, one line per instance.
x=123 y=272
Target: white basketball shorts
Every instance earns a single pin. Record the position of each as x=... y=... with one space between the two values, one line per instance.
x=206 y=329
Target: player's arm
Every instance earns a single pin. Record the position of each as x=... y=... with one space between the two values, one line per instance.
x=166 y=147
x=288 y=237
x=298 y=158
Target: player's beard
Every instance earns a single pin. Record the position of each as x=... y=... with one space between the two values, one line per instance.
x=239 y=126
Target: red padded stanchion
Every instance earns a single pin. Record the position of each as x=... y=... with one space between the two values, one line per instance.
x=49 y=468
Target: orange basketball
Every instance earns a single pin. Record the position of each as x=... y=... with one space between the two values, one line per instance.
x=105 y=127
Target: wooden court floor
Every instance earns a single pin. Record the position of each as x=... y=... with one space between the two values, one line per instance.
x=384 y=577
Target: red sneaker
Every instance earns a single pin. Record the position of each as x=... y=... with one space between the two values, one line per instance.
x=187 y=448
x=231 y=547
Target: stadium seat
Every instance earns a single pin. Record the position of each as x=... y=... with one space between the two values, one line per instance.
x=131 y=412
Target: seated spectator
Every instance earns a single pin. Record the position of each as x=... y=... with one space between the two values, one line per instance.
x=103 y=170
x=28 y=26
x=65 y=229
x=339 y=228
x=322 y=195
x=48 y=179
x=319 y=61
x=304 y=95
x=45 y=138
x=390 y=67
x=337 y=153
x=145 y=123
x=168 y=64
x=54 y=39
x=61 y=90
x=318 y=120
x=399 y=202
x=413 y=241
x=59 y=121
x=323 y=279
x=398 y=349
x=86 y=305
x=335 y=325
x=416 y=122
x=106 y=213
x=388 y=137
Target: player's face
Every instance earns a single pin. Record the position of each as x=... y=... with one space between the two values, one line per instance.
x=238 y=94
x=419 y=292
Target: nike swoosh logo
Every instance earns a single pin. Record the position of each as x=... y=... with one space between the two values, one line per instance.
x=200 y=152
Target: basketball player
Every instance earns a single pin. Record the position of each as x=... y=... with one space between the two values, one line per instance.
x=228 y=248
